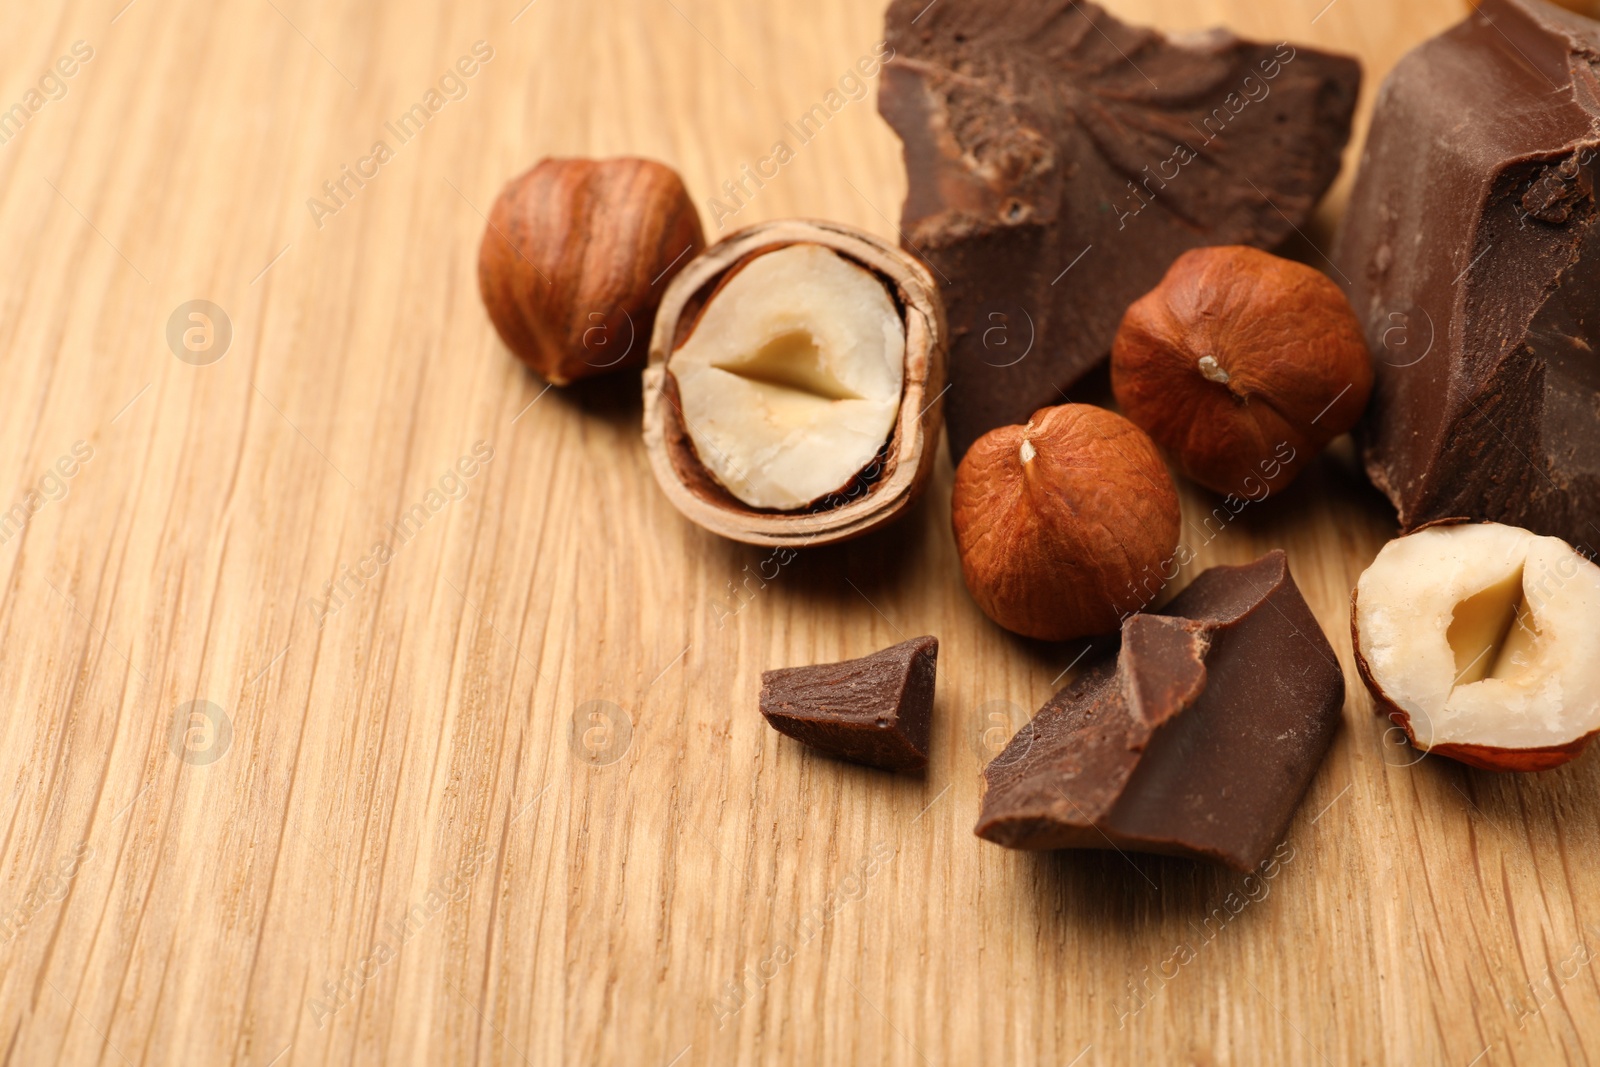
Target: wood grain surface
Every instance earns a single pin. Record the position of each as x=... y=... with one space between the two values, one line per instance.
x=366 y=702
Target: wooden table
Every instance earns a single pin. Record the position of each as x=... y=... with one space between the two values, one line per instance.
x=503 y=795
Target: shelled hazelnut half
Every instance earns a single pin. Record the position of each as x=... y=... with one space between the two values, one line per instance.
x=1482 y=641
x=795 y=385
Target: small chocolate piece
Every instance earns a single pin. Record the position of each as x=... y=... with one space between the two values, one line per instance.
x=876 y=710
x=1472 y=243
x=1197 y=739
x=1059 y=160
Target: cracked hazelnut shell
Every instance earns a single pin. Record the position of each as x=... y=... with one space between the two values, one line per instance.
x=576 y=257
x=891 y=480
x=1242 y=365
x=1066 y=524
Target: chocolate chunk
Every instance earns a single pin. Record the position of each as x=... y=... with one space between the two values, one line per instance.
x=1059 y=160
x=1473 y=250
x=876 y=710
x=1198 y=738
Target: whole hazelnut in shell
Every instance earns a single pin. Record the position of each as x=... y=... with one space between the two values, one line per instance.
x=576 y=258
x=1066 y=524
x=1243 y=366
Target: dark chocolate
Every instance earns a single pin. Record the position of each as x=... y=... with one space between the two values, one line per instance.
x=1059 y=160
x=1473 y=251
x=876 y=710
x=1197 y=738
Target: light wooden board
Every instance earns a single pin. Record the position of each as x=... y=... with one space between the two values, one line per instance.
x=413 y=752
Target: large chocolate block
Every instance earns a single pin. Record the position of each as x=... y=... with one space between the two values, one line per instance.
x=1198 y=738
x=1059 y=160
x=1472 y=244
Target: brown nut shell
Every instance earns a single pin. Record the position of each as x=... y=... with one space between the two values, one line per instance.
x=880 y=493
x=1243 y=366
x=1066 y=524
x=576 y=257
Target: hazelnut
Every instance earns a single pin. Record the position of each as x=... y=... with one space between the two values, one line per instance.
x=1064 y=525
x=576 y=257
x=1482 y=642
x=790 y=380
x=1242 y=366
x=794 y=393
